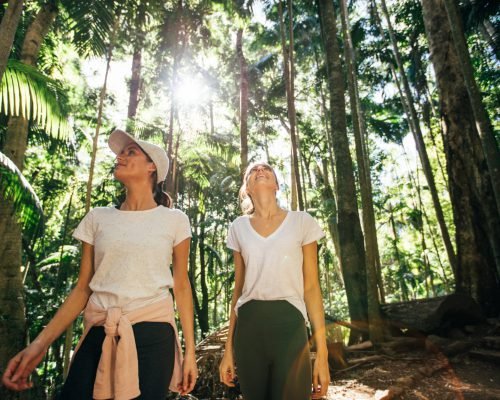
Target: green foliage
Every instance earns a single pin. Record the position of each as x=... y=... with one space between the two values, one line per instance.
x=15 y=188
x=26 y=92
x=91 y=23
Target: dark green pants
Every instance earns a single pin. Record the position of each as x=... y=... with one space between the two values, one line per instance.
x=272 y=352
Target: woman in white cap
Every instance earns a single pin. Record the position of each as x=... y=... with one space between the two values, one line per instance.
x=129 y=348
x=276 y=291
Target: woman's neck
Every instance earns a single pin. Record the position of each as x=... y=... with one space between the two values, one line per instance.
x=265 y=205
x=138 y=198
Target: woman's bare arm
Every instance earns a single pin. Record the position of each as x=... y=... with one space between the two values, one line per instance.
x=184 y=301
x=22 y=364
x=314 y=305
x=226 y=369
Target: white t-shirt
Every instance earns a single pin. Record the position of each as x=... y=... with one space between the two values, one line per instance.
x=132 y=253
x=273 y=264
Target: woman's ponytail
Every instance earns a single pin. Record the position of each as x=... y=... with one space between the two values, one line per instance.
x=161 y=197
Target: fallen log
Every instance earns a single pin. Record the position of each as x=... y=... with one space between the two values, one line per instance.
x=486 y=355
x=493 y=342
x=401 y=345
x=436 y=315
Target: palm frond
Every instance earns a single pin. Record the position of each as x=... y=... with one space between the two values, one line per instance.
x=91 y=23
x=64 y=255
x=15 y=188
x=26 y=92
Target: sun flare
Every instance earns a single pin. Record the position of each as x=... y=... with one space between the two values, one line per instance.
x=190 y=92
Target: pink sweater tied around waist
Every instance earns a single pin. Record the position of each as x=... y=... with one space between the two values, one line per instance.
x=117 y=373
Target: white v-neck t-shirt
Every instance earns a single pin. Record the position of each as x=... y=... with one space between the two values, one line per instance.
x=273 y=264
x=132 y=254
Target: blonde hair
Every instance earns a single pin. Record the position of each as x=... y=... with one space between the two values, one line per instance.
x=246 y=202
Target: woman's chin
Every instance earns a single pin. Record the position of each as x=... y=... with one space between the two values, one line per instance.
x=119 y=176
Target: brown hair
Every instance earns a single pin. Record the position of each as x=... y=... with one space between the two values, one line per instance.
x=161 y=197
x=246 y=202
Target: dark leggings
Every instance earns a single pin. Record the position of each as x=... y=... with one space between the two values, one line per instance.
x=272 y=352
x=155 y=343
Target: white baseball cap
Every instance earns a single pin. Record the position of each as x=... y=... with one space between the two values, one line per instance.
x=119 y=139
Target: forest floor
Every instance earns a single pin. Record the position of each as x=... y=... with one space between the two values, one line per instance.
x=418 y=376
x=464 y=364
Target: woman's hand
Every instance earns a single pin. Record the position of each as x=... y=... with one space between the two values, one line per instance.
x=20 y=367
x=189 y=374
x=226 y=369
x=321 y=376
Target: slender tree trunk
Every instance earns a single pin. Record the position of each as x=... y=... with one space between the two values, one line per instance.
x=401 y=262
x=293 y=186
x=330 y=203
x=8 y=28
x=175 y=169
x=178 y=52
x=489 y=34
x=102 y=96
x=68 y=343
x=351 y=241
x=474 y=208
x=135 y=80
x=203 y=316
x=135 y=83
x=483 y=123
x=11 y=279
x=419 y=140
x=363 y=161
x=243 y=101
x=288 y=72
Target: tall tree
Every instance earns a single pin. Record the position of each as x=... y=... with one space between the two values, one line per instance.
x=289 y=78
x=363 y=162
x=138 y=39
x=16 y=140
x=474 y=209
x=419 y=138
x=178 y=47
x=243 y=101
x=483 y=123
x=8 y=27
x=351 y=241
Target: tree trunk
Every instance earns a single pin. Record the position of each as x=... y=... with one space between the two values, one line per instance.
x=483 y=123
x=8 y=28
x=401 y=261
x=177 y=55
x=474 y=209
x=288 y=72
x=68 y=342
x=328 y=197
x=135 y=83
x=243 y=101
x=16 y=139
x=99 y=117
x=203 y=315
x=433 y=315
x=352 y=251
x=419 y=140
x=363 y=161
x=135 y=80
x=175 y=170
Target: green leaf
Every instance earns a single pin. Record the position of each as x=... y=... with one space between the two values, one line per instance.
x=26 y=92
x=15 y=188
